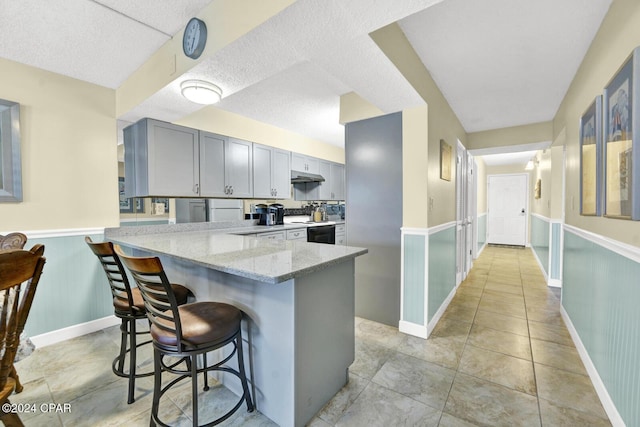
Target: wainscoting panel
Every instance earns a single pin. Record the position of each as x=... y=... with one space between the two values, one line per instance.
x=482 y=231
x=540 y=240
x=73 y=288
x=556 y=252
x=414 y=279
x=442 y=268
x=600 y=295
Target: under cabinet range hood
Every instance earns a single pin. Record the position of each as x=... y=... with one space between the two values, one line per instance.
x=299 y=176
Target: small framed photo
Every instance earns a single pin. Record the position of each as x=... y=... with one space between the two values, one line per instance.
x=445 y=160
x=129 y=205
x=621 y=157
x=591 y=159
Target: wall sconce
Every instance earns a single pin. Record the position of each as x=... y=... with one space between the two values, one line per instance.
x=201 y=92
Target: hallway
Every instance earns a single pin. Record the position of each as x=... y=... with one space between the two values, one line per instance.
x=500 y=356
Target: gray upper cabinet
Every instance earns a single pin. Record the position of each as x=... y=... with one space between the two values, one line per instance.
x=271 y=172
x=226 y=166
x=239 y=168
x=300 y=162
x=337 y=182
x=333 y=188
x=161 y=159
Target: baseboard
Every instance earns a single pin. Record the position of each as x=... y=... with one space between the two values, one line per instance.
x=601 y=390
x=544 y=273
x=414 y=329
x=441 y=310
x=481 y=249
x=554 y=283
x=74 y=331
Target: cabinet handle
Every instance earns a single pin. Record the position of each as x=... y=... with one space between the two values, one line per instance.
x=231 y=189
x=196 y=188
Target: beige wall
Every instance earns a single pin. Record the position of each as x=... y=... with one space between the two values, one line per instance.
x=542 y=172
x=353 y=108
x=69 y=163
x=442 y=123
x=481 y=179
x=517 y=135
x=618 y=35
x=557 y=182
x=415 y=152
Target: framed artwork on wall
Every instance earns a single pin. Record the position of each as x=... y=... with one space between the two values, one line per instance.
x=445 y=160
x=621 y=162
x=127 y=205
x=591 y=159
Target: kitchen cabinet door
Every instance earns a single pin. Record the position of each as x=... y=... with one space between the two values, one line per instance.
x=300 y=162
x=324 y=189
x=162 y=160
x=239 y=168
x=262 y=164
x=271 y=172
x=281 y=174
x=337 y=182
x=212 y=165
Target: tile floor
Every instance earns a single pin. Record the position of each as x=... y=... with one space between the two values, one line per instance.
x=500 y=356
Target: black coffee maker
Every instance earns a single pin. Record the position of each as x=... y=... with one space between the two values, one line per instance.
x=278 y=210
x=265 y=215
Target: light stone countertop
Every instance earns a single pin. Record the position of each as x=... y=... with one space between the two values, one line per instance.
x=263 y=260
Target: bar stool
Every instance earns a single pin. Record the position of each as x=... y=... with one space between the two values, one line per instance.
x=129 y=307
x=186 y=331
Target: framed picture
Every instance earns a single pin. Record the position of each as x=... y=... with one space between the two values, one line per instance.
x=591 y=159
x=537 y=190
x=129 y=205
x=621 y=162
x=445 y=160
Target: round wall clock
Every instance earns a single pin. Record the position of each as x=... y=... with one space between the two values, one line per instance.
x=194 y=39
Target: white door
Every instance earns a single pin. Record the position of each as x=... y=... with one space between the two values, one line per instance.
x=464 y=212
x=507 y=209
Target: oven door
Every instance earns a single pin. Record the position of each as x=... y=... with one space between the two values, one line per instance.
x=322 y=234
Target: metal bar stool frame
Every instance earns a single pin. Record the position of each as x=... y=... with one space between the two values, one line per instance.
x=121 y=289
x=164 y=315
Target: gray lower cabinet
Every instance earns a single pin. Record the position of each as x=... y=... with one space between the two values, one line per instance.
x=161 y=159
x=271 y=172
x=225 y=166
x=273 y=235
x=341 y=236
x=297 y=234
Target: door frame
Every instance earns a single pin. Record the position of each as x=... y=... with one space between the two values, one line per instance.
x=526 y=201
x=465 y=213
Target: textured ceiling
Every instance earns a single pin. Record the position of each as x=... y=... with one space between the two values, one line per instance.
x=499 y=63
x=503 y=63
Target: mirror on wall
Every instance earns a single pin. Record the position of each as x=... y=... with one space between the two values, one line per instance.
x=10 y=160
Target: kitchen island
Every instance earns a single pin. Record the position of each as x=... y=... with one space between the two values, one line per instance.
x=298 y=298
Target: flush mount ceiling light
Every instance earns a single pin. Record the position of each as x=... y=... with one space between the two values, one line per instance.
x=201 y=92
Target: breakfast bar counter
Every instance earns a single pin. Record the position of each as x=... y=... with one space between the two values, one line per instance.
x=298 y=298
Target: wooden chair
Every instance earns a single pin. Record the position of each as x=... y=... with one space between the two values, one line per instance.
x=20 y=272
x=129 y=307
x=186 y=331
x=12 y=241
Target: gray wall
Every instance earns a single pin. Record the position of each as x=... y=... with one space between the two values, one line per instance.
x=373 y=154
